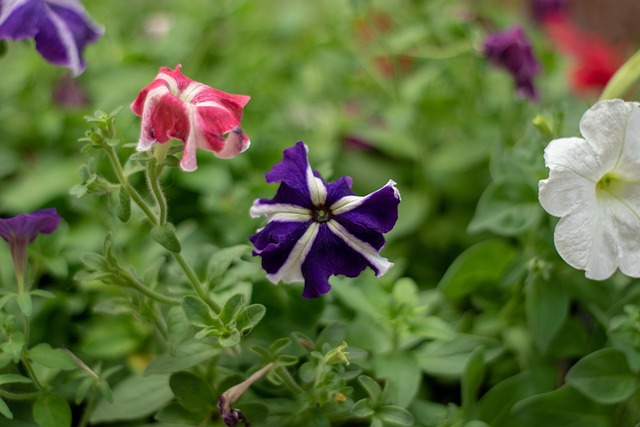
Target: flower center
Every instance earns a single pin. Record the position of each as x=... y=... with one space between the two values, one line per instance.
x=321 y=214
x=605 y=182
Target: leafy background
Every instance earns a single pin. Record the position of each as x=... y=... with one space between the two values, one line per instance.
x=479 y=323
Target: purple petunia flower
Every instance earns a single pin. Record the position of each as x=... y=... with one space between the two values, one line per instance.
x=511 y=51
x=61 y=28
x=22 y=229
x=317 y=229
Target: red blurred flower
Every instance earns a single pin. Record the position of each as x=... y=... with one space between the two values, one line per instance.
x=176 y=107
x=595 y=60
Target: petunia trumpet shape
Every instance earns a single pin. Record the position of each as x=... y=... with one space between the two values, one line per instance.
x=60 y=28
x=317 y=229
x=594 y=186
x=21 y=230
x=175 y=107
x=511 y=51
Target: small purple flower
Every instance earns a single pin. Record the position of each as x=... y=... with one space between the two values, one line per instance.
x=511 y=51
x=317 y=229
x=61 y=28
x=22 y=229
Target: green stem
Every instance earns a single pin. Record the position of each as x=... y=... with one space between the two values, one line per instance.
x=193 y=279
x=140 y=287
x=195 y=282
x=153 y=181
x=623 y=79
x=288 y=380
x=117 y=167
x=89 y=408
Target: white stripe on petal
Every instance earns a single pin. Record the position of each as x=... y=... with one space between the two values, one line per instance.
x=191 y=91
x=291 y=270
x=66 y=37
x=173 y=84
x=381 y=264
x=188 y=163
x=8 y=7
x=270 y=209
x=349 y=203
x=317 y=189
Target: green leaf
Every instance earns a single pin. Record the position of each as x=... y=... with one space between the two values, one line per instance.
x=13 y=378
x=482 y=264
x=193 y=392
x=547 y=307
x=4 y=410
x=51 y=410
x=362 y=409
x=603 y=376
x=24 y=303
x=372 y=388
x=562 y=407
x=231 y=308
x=198 y=312
x=135 y=397
x=174 y=413
x=449 y=358
x=471 y=381
x=395 y=415
x=166 y=236
x=177 y=327
x=495 y=405
x=54 y=358
x=123 y=210
x=402 y=375
x=507 y=207
x=250 y=317
x=188 y=354
x=222 y=260
x=229 y=340
x=432 y=327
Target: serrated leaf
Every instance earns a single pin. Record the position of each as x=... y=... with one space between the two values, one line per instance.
x=51 y=410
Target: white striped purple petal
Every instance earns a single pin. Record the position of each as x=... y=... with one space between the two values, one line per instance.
x=60 y=28
x=316 y=229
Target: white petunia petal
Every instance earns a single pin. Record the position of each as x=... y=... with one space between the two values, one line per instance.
x=603 y=127
x=291 y=270
x=627 y=166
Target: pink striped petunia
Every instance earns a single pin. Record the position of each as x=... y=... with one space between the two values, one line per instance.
x=175 y=107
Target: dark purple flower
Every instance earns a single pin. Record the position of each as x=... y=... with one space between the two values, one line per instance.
x=317 y=229
x=61 y=28
x=22 y=229
x=511 y=51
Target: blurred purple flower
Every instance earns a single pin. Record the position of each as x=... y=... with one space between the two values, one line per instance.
x=317 y=229
x=22 y=229
x=61 y=29
x=511 y=51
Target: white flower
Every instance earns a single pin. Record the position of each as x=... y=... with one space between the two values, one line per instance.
x=594 y=186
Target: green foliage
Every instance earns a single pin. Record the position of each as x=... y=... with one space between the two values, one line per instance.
x=146 y=304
